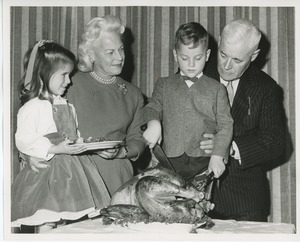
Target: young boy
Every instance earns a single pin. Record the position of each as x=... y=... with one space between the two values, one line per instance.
x=190 y=104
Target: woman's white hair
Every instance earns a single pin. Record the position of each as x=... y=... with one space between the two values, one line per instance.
x=92 y=31
x=243 y=30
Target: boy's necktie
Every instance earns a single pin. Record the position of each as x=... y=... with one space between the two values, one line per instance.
x=230 y=92
x=186 y=78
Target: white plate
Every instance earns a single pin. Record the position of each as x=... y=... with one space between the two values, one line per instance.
x=102 y=145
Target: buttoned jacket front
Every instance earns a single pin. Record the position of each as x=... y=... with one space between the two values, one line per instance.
x=189 y=112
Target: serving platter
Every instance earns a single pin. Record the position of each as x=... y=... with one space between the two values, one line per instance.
x=102 y=145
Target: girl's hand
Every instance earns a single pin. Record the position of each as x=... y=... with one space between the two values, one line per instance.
x=67 y=147
x=152 y=134
x=207 y=145
x=216 y=165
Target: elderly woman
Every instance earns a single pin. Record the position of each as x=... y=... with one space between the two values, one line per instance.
x=107 y=106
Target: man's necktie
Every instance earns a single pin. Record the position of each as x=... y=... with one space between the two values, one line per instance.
x=230 y=92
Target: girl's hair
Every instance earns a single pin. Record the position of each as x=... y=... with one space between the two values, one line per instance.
x=191 y=32
x=93 y=29
x=50 y=57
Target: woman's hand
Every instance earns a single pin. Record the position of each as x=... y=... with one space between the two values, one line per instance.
x=207 y=145
x=37 y=163
x=109 y=153
x=79 y=140
x=152 y=134
x=67 y=147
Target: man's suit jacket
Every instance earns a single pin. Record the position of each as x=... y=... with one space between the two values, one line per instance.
x=259 y=134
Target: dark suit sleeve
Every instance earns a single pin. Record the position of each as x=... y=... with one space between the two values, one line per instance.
x=267 y=141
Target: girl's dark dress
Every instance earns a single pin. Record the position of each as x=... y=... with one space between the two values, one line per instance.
x=70 y=187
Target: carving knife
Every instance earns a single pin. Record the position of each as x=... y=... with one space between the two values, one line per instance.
x=159 y=153
x=162 y=158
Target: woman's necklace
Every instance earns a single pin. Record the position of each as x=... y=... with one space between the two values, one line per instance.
x=101 y=80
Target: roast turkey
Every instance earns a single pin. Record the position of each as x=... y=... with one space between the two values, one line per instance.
x=159 y=195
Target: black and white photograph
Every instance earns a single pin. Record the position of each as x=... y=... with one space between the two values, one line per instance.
x=156 y=121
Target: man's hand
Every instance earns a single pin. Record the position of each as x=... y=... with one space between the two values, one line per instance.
x=216 y=165
x=207 y=145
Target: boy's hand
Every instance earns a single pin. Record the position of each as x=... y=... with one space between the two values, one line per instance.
x=216 y=165
x=152 y=134
x=207 y=145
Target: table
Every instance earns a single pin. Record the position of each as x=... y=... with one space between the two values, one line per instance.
x=95 y=226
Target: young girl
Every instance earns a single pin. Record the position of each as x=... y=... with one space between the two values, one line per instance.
x=68 y=187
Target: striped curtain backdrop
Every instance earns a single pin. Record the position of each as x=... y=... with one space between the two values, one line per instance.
x=149 y=42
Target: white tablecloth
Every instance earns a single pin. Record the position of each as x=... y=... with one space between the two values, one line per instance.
x=96 y=226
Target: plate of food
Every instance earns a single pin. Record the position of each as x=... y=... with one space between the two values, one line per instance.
x=102 y=145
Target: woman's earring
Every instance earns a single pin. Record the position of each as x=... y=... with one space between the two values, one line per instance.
x=93 y=62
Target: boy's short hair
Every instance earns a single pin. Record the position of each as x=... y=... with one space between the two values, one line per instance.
x=191 y=32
